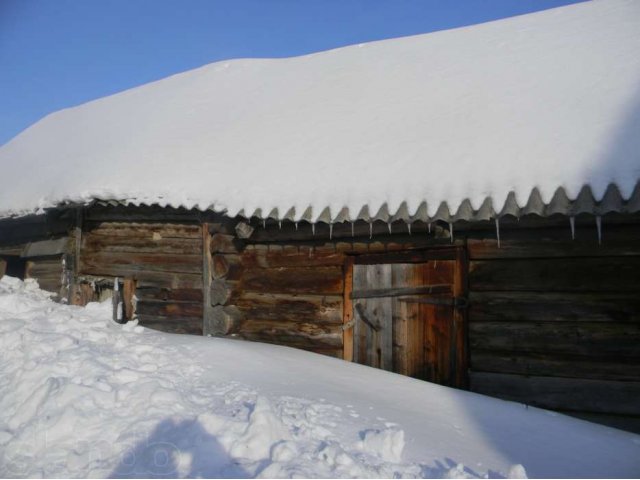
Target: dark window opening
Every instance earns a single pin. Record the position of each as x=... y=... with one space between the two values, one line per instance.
x=15 y=266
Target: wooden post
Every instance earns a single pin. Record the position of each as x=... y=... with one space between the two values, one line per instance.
x=347 y=315
x=459 y=335
x=128 y=290
x=207 y=309
x=74 y=291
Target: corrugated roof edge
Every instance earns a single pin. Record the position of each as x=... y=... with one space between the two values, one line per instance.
x=560 y=203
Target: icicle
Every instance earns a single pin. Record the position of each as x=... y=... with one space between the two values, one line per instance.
x=296 y=224
x=370 y=230
x=451 y=231
x=313 y=229
x=116 y=287
x=353 y=231
x=409 y=228
x=599 y=227
x=264 y=223
x=572 y=223
x=429 y=228
x=498 y=230
x=389 y=225
x=330 y=231
x=280 y=224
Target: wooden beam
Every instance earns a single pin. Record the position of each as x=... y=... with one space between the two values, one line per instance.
x=207 y=311
x=347 y=309
x=401 y=291
x=128 y=291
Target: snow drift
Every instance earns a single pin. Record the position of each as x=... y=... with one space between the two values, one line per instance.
x=545 y=100
x=83 y=397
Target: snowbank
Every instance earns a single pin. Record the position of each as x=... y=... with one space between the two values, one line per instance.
x=545 y=100
x=83 y=397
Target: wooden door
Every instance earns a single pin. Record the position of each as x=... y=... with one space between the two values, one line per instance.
x=409 y=318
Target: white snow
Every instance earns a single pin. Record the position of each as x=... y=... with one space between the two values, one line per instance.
x=546 y=100
x=81 y=396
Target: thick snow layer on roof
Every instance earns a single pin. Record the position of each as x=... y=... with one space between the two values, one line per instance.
x=83 y=397
x=546 y=100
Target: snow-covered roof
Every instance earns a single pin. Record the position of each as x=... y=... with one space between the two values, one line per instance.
x=519 y=115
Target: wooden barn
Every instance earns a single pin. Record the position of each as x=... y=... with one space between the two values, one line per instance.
x=482 y=234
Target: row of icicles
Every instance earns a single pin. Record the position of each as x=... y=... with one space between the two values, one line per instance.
x=572 y=224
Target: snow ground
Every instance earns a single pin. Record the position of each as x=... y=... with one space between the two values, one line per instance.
x=81 y=396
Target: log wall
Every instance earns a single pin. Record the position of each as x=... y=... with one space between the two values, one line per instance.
x=165 y=262
x=555 y=322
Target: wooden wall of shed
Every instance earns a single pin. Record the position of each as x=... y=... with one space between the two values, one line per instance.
x=163 y=257
x=555 y=322
x=17 y=233
x=286 y=284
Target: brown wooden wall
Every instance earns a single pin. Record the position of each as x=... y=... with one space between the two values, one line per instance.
x=555 y=322
x=164 y=259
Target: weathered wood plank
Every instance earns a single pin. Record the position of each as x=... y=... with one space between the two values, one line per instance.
x=228 y=266
x=313 y=280
x=554 y=365
x=106 y=263
x=553 y=307
x=570 y=338
x=128 y=291
x=155 y=231
x=314 y=309
x=168 y=309
x=562 y=393
x=261 y=258
x=188 y=325
x=163 y=280
x=400 y=291
x=133 y=244
x=293 y=334
x=605 y=274
x=484 y=249
x=223 y=243
x=347 y=311
x=170 y=294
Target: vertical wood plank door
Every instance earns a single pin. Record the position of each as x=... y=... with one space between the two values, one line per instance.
x=402 y=327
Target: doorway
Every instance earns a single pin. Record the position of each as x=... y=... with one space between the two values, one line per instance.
x=409 y=314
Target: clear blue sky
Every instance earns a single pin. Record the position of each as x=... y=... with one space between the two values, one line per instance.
x=59 y=53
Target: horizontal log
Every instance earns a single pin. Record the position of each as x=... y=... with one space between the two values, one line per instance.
x=482 y=249
x=170 y=294
x=189 y=325
x=312 y=280
x=604 y=274
x=162 y=280
x=258 y=258
x=168 y=309
x=570 y=394
x=292 y=334
x=103 y=263
x=553 y=307
x=312 y=309
x=569 y=338
x=145 y=244
x=553 y=365
x=143 y=230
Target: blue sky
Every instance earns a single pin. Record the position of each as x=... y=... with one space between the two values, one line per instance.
x=56 y=54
